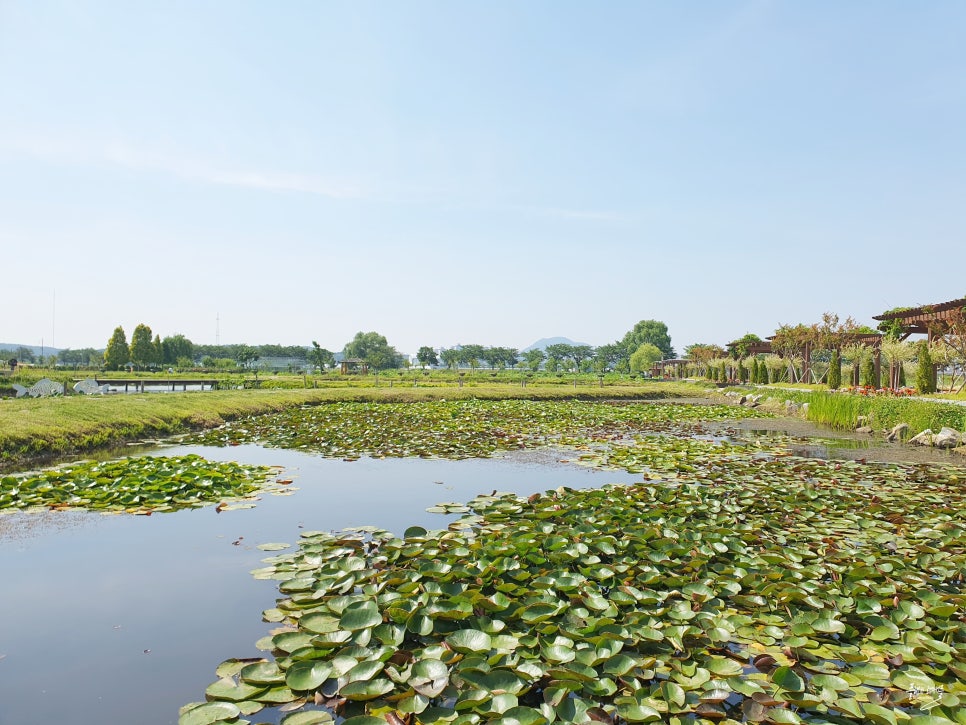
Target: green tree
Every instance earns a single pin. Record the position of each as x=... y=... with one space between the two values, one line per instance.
x=374 y=349
x=141 y=350
x=246 y=356
x=176 y=347
x=157 y=351
x=25 y=355
x=426 y=356
x=606 y=357
x=323 y=358
x=117 y=354
x=739 y=347
x=557 y=354
x=470 y=355
x=508 y=357
x=579 y=354
x=648 y=331
x=835 y=371
x=644 y=357
x=533 y=359
x=925 y=371
x=450 y=357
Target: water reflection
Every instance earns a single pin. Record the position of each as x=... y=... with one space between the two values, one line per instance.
x=122 y=619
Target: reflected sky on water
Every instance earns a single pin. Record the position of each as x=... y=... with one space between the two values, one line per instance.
x=123 y=619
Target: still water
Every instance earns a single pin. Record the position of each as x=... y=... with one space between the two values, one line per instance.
x=122 y=619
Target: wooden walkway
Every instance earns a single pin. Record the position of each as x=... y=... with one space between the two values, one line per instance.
x=139 y=384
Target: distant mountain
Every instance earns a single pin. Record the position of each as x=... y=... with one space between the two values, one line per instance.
x=545 y=342
x=37 y=349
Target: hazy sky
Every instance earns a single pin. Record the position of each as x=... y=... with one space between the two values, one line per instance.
x=475 y=172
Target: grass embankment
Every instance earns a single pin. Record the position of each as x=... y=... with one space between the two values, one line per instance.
x=842 y=411
x=33 y=429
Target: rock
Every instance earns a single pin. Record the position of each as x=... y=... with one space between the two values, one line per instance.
x=864 y=429
x=791 y=407
x=805 y=409
x=741 y=400
x=947 y=438
x=897 y=433
x=923 y=439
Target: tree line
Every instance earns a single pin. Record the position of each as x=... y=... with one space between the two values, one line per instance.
x=644 y=344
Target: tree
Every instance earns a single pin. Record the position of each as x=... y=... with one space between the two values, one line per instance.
x=739 y=348
x=141 y=350
x=557 y=353
x=471 y=355
x=644 y=357
x=157 y=351
x=117 y=354
x=533 y=359
x=606 y=357
x=374 y=349
x=580 y=353
x=321 y=356
x=426 y=356
x=176 y=347
x=25 y=354
x=701 y=354
x=652 y=331
x=925 y=371
x=506 y=357
x=450 y=357
x=246 y=356
x=835 y=371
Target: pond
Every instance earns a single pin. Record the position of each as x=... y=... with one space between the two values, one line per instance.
x=734 y=579
x=122 y=619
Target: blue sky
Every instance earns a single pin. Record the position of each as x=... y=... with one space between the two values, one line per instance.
x=490 y=173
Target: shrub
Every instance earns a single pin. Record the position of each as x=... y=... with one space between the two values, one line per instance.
x=925 y=371
x=835 y=371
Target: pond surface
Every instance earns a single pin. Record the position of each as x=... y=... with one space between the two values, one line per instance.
x=123 y=619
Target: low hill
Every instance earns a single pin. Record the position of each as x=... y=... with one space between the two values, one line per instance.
x=545 y=342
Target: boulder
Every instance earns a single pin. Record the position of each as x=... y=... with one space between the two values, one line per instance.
x=947 y=438
x=791 y=407
x=741 y=400
x=867 y=429
x=923 y=439
x=898 y=432
x=805 y=409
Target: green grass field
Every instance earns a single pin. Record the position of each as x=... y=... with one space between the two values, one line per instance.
x=37 y=428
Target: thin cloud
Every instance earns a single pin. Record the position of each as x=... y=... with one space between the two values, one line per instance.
x=131 y=157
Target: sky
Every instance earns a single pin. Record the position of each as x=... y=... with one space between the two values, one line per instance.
x=457 y=172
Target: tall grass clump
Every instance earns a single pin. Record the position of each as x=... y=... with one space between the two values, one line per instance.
x=842 y=411
x=837 y=411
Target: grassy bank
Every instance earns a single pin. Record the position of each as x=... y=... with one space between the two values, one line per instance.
x=33 y=429
x=842 y=411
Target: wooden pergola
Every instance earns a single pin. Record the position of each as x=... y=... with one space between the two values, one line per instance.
x=761 y=347
x=659 y=369
x=765 y=347
x=354 y=365
x=930 y=320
